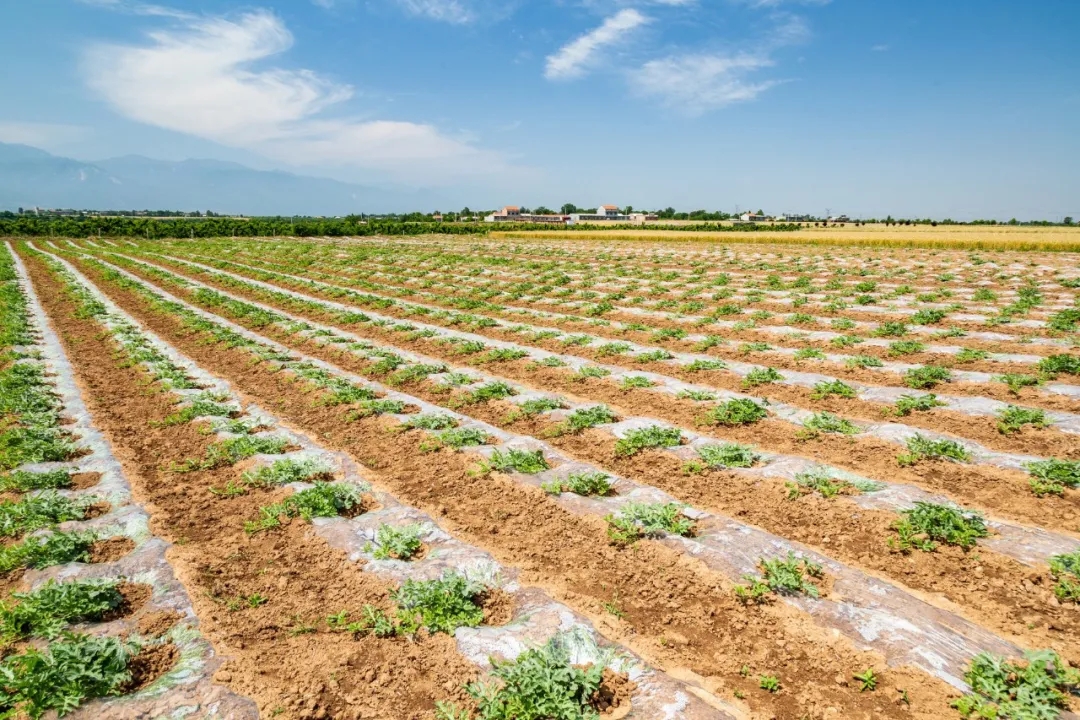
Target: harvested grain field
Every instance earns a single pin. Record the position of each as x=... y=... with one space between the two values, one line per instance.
x=452 y=478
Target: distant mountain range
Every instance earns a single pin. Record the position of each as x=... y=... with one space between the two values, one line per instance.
x=30 y=177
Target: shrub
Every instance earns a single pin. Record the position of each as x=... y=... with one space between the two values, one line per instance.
x=728 y=455
x=738 y=411
x=928 y=523
x=581 y=483
x=926 y=377
x=655 y=436
x=761 y=376
x=1036 y=688
x=1013 y=419
x=832 y=387
x=529 y=462
x=911 y=403
x=638 y=520
x=920 y=447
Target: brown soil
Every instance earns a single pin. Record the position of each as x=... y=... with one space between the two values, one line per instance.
x=498 y=606
x=152 y=662
x=612 y=700
x=135 y=596
x=111 y=549
x=84 y=480
x=157 y=623
x=97 y=510
x=303 y=579
x=677 y=613
x=1003 y=492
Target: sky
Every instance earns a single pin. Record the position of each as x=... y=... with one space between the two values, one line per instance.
x=962 y=109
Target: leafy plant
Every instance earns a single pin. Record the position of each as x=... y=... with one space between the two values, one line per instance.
x=967 y=355
x=497 y=390
x=65 y=674
x=828 y=388
x=906 y=347
x=927 y=376
x=399 y=543
x=1051 y=477
x=761 y=376
x=809 y=354
x=431 y=421
x=39 y=551
x=699 y=365
x=1065 y=570
x=540 y=684
x=1013 y=419
x=928 y=316
x=728 y=455
x=1053 y=365
x=738 y=411
x=844 y=341
x=654 y=436
x=928 y=523
x=908 y=404
x=584 y=418
x=287 y=470
x=40 y=511
x=1038 y=687
x=590 y=371
x=637 y=520
x=920 y=447
x=46 y=611
x=863 y=361
x=529 y=462
x=631 y=382
x=233 y=450
x=443 y=604
x=458 y=438
x=769 y=683
x=323 y=500
x=827 y=422
x=696 y=395
x=891 y=329
x=540 y=405
x=22 y=481
x=1017 y=381
x=653 y=356
x=581 y=483
x=820 y=481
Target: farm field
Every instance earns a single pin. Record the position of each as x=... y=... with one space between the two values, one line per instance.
x=539 y=477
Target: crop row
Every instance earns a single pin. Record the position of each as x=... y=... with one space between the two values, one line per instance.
x=100 y=613
x=704 y=535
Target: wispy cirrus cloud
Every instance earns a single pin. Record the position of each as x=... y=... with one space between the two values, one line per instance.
x=696 y=83
x=198 y=77
x=572 y=59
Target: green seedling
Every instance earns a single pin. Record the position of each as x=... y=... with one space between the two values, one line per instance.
x=458 y=438
x=398 y=543
x=631 y=382
x=1054 y=365
x=443 y=604
x=654 y=436
x=49 y=609
x=809 y=354
x=700 y=365
x=529 y=462
x=728 y=455
x=738 y=411
x=202 y=405
x=581 y=483
x=21 y=481
x=927 y=524
x=827 y=422
x=590 y=371
x=540 y=405
x=829 y=388
x=233 y=450
x=868 y=680
x=431 y=421
x=1017 y=381
x=653 y=356
x=967 y=355
x=863 y=361
x=1037 y=687
x=761 y=376
x=769 y=683
x=323 y=500
x=39 y=551
x=1012 y=419
x=921 y=447
x=1065 y=571
x=287 y=470
x=908 y=404
x=638 y=520
x=40 y=511
x=696 y=395
x=1051 y=477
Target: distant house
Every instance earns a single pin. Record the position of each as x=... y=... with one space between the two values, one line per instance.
x=604 y=213
x=753 y=217
x=512 y=213
x=788 y=217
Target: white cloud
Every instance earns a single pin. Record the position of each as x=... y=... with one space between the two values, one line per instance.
x=41 y=135
x=699 y=82
x=197 y=78
x=572 y=59
x=450 y=11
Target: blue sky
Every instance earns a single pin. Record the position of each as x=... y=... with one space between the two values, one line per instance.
x=966 y=108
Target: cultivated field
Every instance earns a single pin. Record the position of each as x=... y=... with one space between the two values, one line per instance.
x=539 y=477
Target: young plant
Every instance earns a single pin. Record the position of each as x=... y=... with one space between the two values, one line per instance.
x=398 y=543
x=287 y=470
x=323 y=500
x=783 y=576
x=21 y=481
x=926 y=524
x=1054 y=365
x=761 y=376
x=1012 y=419
x=820 y=481
x=1065 y=571
x=46 y=611
x=1037 y=687
x=581 y=483
x=638 y=520
x=233 y=450
x=631 y=382
x=863 y=361
x=829 y=388
x=699 y=365
x=1018 y=381
x=769 y=683
x=908 y=404
x=39 y=551
x=696 y=395
x=738 y=411
x=590 y=371
x=967 y=355
x=40 y=511
x=542 y=683
x=1051 y=477
x=827 y=422
x=921 y=447
x=458 y=438
x=921 y=378
x=431 y=421
x=654 y=436
x=728 y=455
x=443 y=604
x=529 y=462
